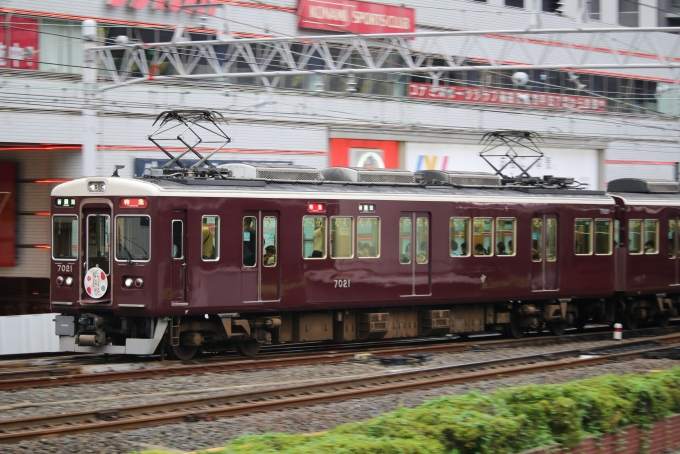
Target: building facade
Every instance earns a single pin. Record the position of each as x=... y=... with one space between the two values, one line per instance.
x=596 y=125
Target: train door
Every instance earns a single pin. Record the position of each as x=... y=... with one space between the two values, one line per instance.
x=414 y=250
x=260 y=267
x=674 y=247
x=178 y=254
x=545 y=270
x=96 y=236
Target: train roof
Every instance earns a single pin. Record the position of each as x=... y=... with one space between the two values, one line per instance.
x=138 y=187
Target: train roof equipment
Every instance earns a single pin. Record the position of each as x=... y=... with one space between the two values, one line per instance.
x=639 y=185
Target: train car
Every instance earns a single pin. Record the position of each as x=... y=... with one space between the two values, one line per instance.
x=647 y=271
x=262 y=254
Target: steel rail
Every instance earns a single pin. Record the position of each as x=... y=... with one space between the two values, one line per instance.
x=236 y=404
x=265 y=362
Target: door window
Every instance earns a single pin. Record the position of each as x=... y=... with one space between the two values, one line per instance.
x=249 y=241
x=269 y=241
x=551 y=240
x=537 y=239
x=98 y=228
x=177 y=239
x=210 y=231
x=405 y=234
x=422 y=240
x=671 y=238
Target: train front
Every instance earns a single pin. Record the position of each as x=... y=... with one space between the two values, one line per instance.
x=102 y=271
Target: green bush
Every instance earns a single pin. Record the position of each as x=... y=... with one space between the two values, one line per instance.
x=506 y=421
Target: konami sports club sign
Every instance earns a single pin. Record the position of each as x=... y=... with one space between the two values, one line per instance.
x=355 y=17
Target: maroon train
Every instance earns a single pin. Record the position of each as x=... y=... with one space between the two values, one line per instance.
x=292 y=254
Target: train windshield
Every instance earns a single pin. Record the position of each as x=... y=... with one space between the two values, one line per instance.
x=65 y=237
x=133 y=238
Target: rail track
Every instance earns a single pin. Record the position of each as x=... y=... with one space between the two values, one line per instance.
x=226 y=405
x=73 y=374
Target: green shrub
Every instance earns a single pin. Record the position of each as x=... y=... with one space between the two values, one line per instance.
x=505 y=421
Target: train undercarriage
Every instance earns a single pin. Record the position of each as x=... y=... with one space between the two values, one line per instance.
x=184 y=337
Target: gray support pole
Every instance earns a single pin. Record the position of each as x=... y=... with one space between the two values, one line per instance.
x=89 y=100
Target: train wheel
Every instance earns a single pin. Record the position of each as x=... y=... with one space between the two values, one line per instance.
x=663 y=320
x=630 y=322
x=182 y=352
x=557 y=328
x=513 y=329
x=248 y=347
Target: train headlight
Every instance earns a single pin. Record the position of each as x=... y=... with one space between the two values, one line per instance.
x=128 y=282
x=69 y=281
x=139 y=282
x=60 y=280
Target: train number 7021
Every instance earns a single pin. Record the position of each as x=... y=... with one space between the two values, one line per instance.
x=341 y=283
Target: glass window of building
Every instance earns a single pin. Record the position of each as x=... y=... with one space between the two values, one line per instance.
x=629 y=13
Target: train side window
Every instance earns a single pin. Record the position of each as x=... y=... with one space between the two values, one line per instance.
x=505 y=236
x=314 y=237
x=342 y=237
x=368 y=237
x=269 y=241
x=177 y=239
x=422 y=240
x=671 y=238
x=459 y=235
x=482 y=236
x=551 y=240
x=210 y=231
x=635 y=236
x=65 y=237
x=133 y=238
x=651 y=236
x=603 y=236
x=537 y=239
x=405 y=235
x=583 y=229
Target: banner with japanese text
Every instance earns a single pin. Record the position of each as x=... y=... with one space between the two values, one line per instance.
x=18 y=42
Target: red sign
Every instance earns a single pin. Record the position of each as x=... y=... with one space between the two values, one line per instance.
x=19 y=47
x=506 y=97
x=8 y=171
x=188 y=6
x=349 y=16
x=129 y=202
